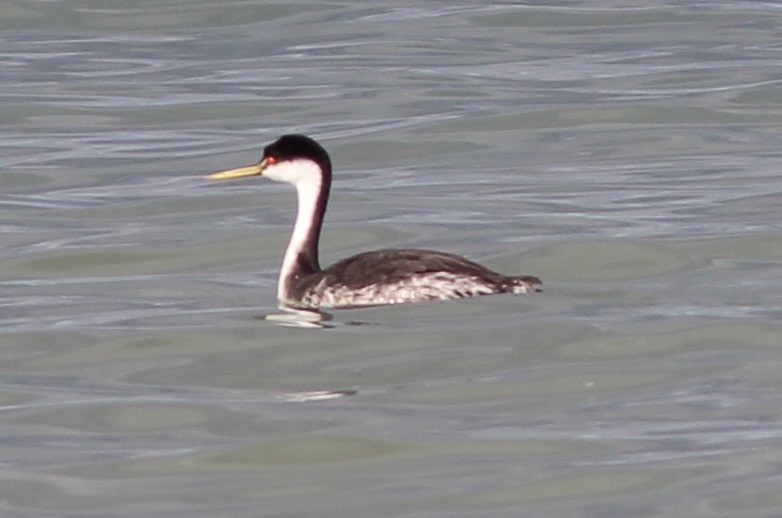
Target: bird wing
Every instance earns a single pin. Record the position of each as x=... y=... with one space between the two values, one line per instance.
x=388 y=266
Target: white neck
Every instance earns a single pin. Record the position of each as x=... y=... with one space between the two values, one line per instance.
x=306 y=177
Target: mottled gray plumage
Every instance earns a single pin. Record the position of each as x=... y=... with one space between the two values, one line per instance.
x=399 y=276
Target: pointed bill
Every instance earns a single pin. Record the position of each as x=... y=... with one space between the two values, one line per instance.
x=238 y=172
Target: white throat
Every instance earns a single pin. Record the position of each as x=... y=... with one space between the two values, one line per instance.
x=307 y=178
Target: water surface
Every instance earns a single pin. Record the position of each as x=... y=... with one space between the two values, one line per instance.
x=629 y=156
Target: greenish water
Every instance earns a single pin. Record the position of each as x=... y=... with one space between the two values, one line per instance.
x=629 y=156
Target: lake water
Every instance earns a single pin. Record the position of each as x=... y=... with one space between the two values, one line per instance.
x=629 y=156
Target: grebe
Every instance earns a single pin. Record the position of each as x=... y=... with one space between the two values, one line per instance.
x=372 y=278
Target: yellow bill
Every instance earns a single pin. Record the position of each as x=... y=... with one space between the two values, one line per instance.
x=238 y=172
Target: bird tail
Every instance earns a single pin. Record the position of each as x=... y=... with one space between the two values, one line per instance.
x=524 y=284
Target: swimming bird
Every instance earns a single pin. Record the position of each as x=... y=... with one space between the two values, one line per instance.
x=372 y=278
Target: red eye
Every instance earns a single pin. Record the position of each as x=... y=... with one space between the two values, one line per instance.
x=270 y=160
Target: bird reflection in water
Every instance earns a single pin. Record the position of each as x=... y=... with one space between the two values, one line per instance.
x=297 y=317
